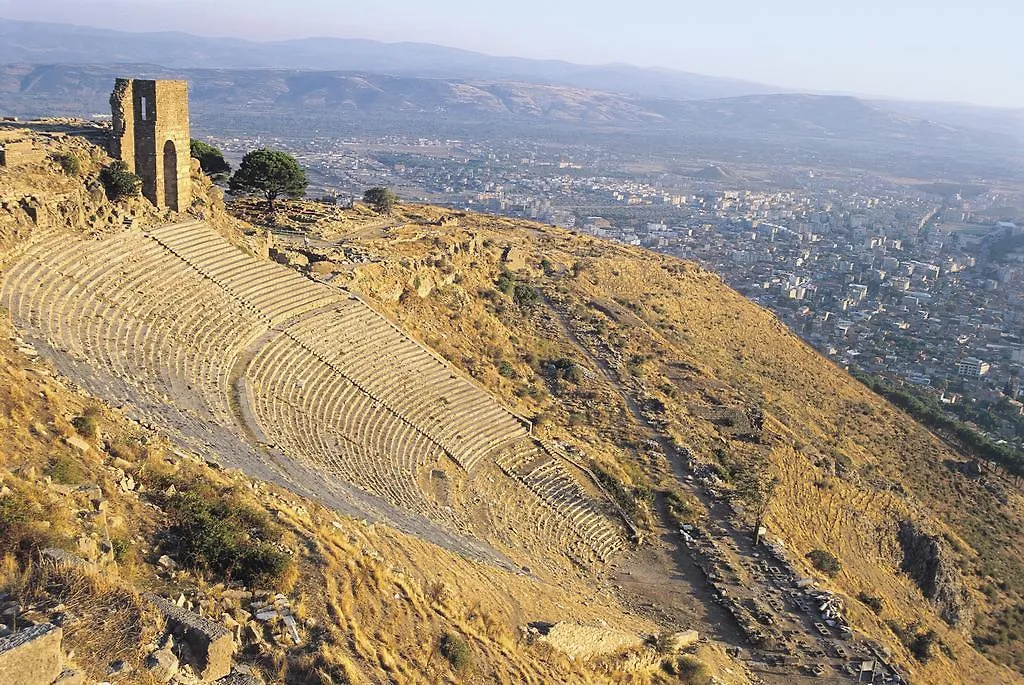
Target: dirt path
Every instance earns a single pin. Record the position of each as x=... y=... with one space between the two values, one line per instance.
x=664 y=581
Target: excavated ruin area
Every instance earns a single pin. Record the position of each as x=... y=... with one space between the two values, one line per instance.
x=253 y=366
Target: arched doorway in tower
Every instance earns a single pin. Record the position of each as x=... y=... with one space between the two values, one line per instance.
x=171 y=176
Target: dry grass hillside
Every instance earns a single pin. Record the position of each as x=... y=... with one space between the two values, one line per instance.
x=599 y=341
x=372 y=604
x=653 y=391
x=308 y=595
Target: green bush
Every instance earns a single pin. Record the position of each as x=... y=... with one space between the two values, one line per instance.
x=69 y=163
x=524 y=295
x=507 y=370
x=564 y=369
x=922 y=646
x=825 y=561
x=871 y=601
x=119 y=181
x=120 y=548
x=383 y=200
x=455 y=649
x=87 y=425
x=64 y=469
x=506 y=284
x=223 y=536
x=211 y=160
x=688 y=669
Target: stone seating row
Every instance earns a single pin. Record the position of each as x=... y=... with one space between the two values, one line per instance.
x=550 y=481
x=272 y=290
x=165 y=318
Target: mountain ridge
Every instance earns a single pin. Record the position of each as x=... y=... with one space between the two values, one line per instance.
x=40 y=42
x=82 y=90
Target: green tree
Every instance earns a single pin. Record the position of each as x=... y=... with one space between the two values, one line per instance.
x=211 y=160
x=119 y=181
x=383 y=200
x=69 y=163
x=755 y=488
x=270 y=173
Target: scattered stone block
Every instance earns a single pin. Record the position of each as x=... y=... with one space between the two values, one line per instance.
x=677 y=642
x=293 y=631
x=239 y=679
x=210 y=643
x=162 y=665
x=79 y=443
x=32 y=656
x=70 y=676
x=60 y=557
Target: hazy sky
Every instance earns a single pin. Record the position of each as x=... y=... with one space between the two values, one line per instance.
x=915 y=49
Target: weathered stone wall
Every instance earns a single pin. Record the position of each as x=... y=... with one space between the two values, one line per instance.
x=210 y=643
x=122 y=137
x=151 y=135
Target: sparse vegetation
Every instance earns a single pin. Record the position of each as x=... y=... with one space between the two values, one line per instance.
x=928 y=411
x=211 y=159
x=87 y=424
x=119 y=181
x=873 y=602
x=506 y=369
x=383 y=200
x=825 y=561
x=919 y=641
x=221 y=535
x=455 y=649
x=923 y=645
x=23 y=525
x=688 y=669
x=69 y=163
x=683 y=508
x=562 y=369
x=63 y=469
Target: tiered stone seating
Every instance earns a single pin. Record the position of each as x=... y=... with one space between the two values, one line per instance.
x=273 y=291
x=166 y=322
x=145 y=334
x=313 y=410
x=463 y=419
x=548 y=478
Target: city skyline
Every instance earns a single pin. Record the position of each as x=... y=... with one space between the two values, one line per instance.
x=914 y=51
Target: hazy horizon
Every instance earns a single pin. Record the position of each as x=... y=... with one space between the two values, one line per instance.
x=918 y=51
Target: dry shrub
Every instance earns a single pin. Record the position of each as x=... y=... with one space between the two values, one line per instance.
x=25 y=524
x=688 y=669
x=88 y=423
x=106 y=621
x=455 y=649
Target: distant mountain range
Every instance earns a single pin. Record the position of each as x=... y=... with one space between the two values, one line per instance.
x=84 y=90
x=346 y=87
x=44 y=43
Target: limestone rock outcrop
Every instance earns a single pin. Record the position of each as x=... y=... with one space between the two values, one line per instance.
x=929 y=563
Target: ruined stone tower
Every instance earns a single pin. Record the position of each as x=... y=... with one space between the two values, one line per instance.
x=151 y=135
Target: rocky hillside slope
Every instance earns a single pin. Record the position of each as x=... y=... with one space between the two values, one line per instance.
x=691 y=406
x=101 y=518
x=641 y=362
